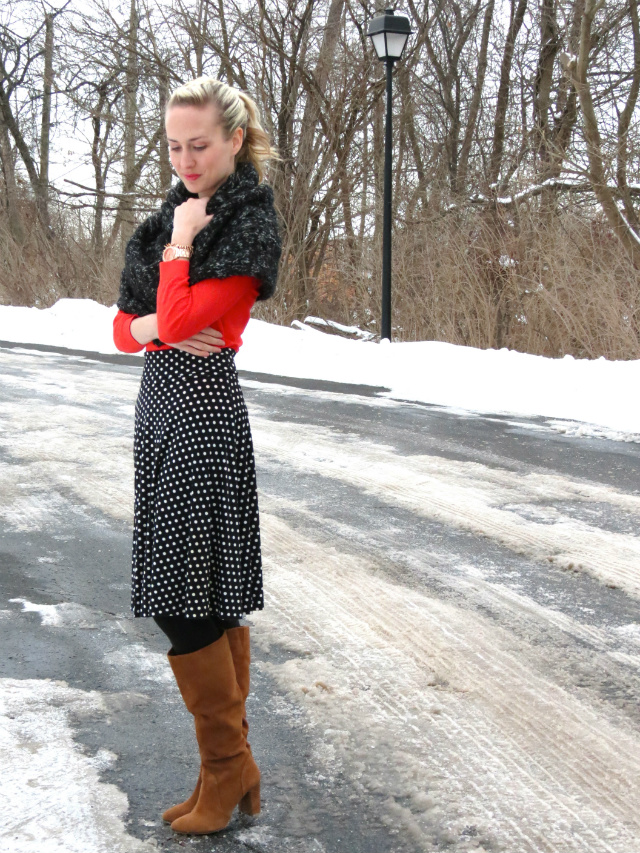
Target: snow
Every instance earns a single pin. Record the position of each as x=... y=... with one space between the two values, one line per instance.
x=53 y=799
x=580 y=396
x=452 y=710
x=430 y=708
x=347 y=330
x=49 y=613
x=499 y=504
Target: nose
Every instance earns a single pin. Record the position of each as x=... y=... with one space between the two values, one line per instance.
x=187 y=160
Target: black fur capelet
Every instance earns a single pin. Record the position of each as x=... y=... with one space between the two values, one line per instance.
x=241 y=239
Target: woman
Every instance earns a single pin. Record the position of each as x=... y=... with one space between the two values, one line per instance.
x=192 y=272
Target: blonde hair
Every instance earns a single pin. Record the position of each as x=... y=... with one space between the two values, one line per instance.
x=235 y=109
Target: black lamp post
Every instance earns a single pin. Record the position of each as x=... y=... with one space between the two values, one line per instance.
x=389 y=34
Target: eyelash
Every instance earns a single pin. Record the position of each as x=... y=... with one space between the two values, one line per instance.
x=195 y=148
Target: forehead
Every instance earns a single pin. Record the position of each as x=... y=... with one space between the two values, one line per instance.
x=186 y=123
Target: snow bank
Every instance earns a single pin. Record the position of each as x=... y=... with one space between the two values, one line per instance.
x=73 y=323
x=599 y=396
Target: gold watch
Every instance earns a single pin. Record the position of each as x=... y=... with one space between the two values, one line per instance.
x=172 y=251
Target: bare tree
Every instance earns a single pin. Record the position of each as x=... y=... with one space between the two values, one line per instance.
x=517 y=13
x=21 y=58
x=624 y=121
x=10 y=188
x=578 y=68
x=491 y=139
x=45 y=129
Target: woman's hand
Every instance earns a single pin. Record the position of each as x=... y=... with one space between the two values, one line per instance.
x=205 y=342
x=189 y=218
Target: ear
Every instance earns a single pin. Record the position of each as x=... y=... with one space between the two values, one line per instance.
x=238 y=139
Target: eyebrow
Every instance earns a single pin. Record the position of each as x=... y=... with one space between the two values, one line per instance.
x=193 y=138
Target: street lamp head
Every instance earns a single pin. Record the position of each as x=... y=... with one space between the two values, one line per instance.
x=389 y=34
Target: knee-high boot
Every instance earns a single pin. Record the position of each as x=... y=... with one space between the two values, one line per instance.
x=229 y=776
x=240 y=644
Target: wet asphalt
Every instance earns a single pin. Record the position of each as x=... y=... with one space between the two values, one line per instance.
x=147 y=726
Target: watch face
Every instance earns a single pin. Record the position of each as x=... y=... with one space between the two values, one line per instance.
x=173 y=252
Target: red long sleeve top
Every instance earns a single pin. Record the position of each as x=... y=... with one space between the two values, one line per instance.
x=184 y=310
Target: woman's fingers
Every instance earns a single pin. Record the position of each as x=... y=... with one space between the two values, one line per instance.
x=207 y=341
x=210 y=336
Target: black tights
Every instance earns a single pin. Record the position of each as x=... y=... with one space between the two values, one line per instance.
x=189 y=635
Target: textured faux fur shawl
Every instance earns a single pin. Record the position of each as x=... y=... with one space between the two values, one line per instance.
x=241 y=239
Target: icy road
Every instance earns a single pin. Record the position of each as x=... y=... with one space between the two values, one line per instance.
x=448 y=659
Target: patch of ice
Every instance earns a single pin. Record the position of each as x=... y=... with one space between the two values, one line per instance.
x=49 y=613
x=151 y=666
x=257 y=837
x=57 y=615
x=52 y=796
x=630 y=631
x=585 y=430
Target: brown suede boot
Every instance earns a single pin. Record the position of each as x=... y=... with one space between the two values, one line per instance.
x=241 y=653
x=229 y=776
x=239 y=642
x=183 y=808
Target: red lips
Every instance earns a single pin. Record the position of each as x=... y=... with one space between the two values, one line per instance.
x=191 y=177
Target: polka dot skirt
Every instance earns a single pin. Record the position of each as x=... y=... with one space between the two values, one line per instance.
x=196 y=532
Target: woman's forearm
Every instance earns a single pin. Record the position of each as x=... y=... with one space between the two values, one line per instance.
x=145 y=329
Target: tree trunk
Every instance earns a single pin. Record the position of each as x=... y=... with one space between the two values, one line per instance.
x=625 y=119
x=377 y=165
x=463 y=161
x=515 y=23
x=543 y=132
x=11 y=190
x=45 y=131
x=163 y=147
x=226 y=52
x=578 y=69
x=97 y=236
x=126 y=208
x=364 y=201
x=11 y=124
x=309 y=145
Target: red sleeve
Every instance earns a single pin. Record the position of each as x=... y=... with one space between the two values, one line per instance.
x=122 y=337
x=184 y=311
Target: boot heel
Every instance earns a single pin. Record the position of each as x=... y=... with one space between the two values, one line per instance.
x=250 y=803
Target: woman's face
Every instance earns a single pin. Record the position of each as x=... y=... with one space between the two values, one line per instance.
x=199 y=153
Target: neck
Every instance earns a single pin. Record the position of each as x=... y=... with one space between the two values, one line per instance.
x=209 y=192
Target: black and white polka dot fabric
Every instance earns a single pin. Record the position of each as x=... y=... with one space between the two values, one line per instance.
x=196 y=533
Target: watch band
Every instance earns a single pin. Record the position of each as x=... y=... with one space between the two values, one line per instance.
x=172 y=251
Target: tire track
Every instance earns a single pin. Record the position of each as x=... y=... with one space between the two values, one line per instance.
x=482 y=720
x=469 y=496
